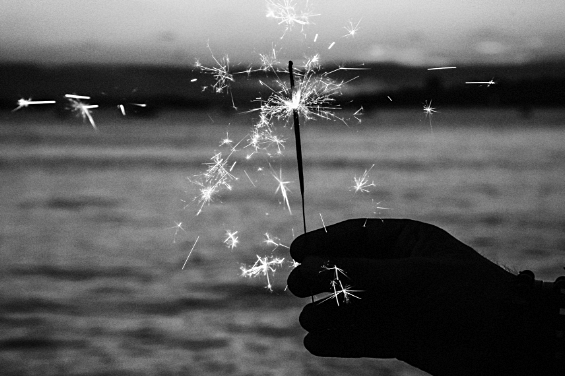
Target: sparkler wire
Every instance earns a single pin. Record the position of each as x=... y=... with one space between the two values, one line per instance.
x=298 y=144
x=298 y=149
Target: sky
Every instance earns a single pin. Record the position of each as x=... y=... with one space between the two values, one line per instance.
x=179 y=32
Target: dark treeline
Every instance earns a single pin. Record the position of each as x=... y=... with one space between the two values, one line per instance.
x=378 y=86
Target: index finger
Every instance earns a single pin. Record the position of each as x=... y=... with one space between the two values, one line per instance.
x=377 y=239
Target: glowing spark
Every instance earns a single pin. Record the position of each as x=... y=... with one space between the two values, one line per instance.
x=362 y=183
x=74 y=96
x=216 y=177
x=351 y=29
x=359 y=112
x=26 y=102
x=282 y=187
x=285 y=12
x=439 y=68
x=249 y=179
x=331 y=45
x=221 y=73
x=429 y=111
x=189 y=253
x=82 y=109
x=389 y=98
x=231 y=239
x=338 y=287
x=268 y=62
x=226 y=141
x=139 y=104
x=194 y=80
x=122 y=109
x=263 y=266
x=488 y=83
x=273 y=241
x=323 y=224
x=178 y=227
x=315 y=38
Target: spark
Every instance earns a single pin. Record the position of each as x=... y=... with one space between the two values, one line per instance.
x=122 y=109
x=362 y=183
x=389 y=98
x=189 y=253
x=194 y=80
x=331 y=45
x=263 y=266
x=313 y=97
x=440 y=68
x=274 y=241
x=323 y=224
x=178 y=227
x=82 y=109
x=286 y=12
x=283 y=188
x=226 y=141
x=26 y=102
x=139 y=104
x=231 y=240
x=249 y=179
x=315 y=38
x=213 y=180
x=351 y=29
x=488 y=83
x=346 y=290
x=429 y=111
x=359 y=112
x=268 y=62
x=74 y=96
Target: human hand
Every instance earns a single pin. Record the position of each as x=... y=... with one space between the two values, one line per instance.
x=424 y=298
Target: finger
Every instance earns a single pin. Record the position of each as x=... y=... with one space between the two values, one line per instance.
x=328 y=315
x=378 y=239
x=347 y=343
x=349 y=238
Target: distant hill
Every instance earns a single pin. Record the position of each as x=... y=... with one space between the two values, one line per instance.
x=539 y=84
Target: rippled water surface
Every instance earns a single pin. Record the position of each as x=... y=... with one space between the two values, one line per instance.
x=91 y=279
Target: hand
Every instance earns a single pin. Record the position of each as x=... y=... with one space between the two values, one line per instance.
x=424 y=298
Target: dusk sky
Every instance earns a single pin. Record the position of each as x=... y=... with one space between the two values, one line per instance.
x=176 y=32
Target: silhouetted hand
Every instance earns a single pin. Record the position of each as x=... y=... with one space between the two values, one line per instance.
x=424 y=298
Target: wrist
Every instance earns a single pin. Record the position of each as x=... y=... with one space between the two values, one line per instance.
x=541 y=307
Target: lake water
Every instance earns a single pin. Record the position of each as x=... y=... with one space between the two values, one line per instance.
x=91 y=273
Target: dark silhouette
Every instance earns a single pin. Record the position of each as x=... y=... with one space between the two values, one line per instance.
x=425 y=298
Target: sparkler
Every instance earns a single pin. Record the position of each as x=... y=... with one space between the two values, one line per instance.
x=189 y=253
x=26 y=102
x=263 y=266
x=296 y=101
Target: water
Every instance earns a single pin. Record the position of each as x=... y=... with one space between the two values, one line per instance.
x=91 y=278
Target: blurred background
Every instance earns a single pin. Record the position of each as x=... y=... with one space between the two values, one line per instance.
x=98 y=216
